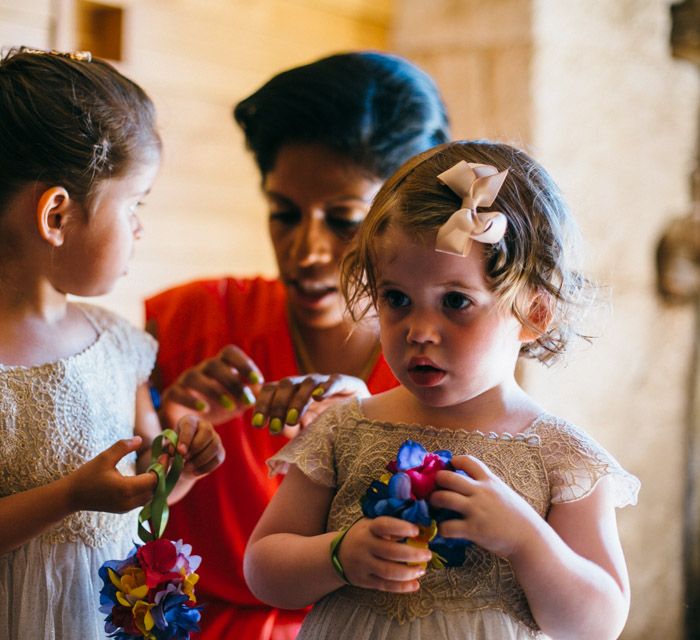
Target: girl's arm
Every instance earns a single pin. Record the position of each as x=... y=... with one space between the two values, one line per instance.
x=95 y=486
x=287 y=562
x=198 y=442
x=570 y=566
x=573 y=570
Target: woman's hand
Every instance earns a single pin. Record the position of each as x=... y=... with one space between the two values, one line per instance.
x=218 y=388
x=494 y=516
x=294 y=402
x=374 y=557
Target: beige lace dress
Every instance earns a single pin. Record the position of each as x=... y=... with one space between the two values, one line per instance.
x=53 y=418
x=550 y=462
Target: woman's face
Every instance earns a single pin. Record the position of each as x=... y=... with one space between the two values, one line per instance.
x=317 y=199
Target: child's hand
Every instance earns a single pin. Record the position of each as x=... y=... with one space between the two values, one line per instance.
x=494 y=516
x=218 y=388
x=200 y=446
x=297 y=401
x=99 y=486
x=374 y=557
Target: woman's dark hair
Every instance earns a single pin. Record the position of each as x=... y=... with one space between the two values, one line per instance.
x=373 y=108
x=68 y=120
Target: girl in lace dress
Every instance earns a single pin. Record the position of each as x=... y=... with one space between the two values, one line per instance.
x=78 y=152
x=465 y=257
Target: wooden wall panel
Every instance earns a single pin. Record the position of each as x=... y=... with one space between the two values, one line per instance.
x=196 y=59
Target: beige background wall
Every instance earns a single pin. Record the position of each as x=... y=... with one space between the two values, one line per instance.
x=588 y=86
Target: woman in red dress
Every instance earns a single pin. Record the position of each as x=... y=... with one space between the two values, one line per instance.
x=324 y=136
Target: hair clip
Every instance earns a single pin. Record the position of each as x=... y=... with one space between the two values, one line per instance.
x=477 y=185
x=80 y=56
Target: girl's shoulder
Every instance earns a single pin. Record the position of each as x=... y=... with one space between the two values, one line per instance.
x=313 y=450
x=116 y=332
x=575 y=462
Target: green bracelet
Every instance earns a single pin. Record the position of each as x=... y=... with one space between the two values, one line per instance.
x=335 y=560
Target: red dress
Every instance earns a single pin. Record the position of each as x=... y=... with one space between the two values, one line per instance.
x=193 y=322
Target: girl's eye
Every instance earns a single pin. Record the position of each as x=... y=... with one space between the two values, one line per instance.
x=395 y=299
x=133 y=208
x=285 y=217
x=456 y=300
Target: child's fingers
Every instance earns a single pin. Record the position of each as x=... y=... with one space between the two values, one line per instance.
x=392 y=528
x=392 y=586
x=119 y=449
x=453 y=500
x=186 y=428
x=455 y=482
x=399 y=552
x=207 y=458
x=472 y=466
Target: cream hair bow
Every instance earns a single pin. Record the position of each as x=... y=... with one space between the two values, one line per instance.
x=477 y=185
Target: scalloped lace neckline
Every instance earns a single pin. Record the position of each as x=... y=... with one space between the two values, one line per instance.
x=527 y=435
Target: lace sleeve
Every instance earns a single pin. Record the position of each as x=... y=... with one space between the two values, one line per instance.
x=313 y=450
x=575 y=464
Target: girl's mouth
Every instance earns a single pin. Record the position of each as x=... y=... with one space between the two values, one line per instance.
x=424 y=373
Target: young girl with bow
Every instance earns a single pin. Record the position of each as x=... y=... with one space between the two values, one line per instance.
x=465 y=258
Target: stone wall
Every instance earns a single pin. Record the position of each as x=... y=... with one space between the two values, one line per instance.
x=592 y=91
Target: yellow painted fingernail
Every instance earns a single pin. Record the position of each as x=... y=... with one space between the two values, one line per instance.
x=201 y=406
x=226 y=402
x=275 y=425
x=292 y=416
x=248 y=397
x=254 y=377
x=258 y=419
x=317 y=392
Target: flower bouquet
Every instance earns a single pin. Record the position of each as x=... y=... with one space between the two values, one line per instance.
x=150 y=594
x=404 y=492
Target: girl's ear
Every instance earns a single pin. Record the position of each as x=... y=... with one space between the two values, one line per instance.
x=51 y=210
x=539 y=316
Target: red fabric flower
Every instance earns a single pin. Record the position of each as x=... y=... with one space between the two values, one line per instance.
x=157 y=559
x=423 y=476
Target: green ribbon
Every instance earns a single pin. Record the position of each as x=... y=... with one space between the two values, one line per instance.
x=155 y=513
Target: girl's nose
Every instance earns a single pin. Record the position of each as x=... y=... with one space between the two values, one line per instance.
x=312 y=242
x=422 y=329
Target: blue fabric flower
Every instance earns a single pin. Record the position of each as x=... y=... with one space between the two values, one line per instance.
x=405 y=495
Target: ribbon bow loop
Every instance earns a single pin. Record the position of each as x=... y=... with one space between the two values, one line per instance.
x=477 y=185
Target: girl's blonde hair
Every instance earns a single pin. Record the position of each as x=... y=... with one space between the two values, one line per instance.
x=533 y=258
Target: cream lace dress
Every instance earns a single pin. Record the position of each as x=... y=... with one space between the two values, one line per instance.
x=53 y=418
x=550 y=462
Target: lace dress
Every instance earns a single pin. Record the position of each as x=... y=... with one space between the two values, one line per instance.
x=550 y=462
x=53 y=418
